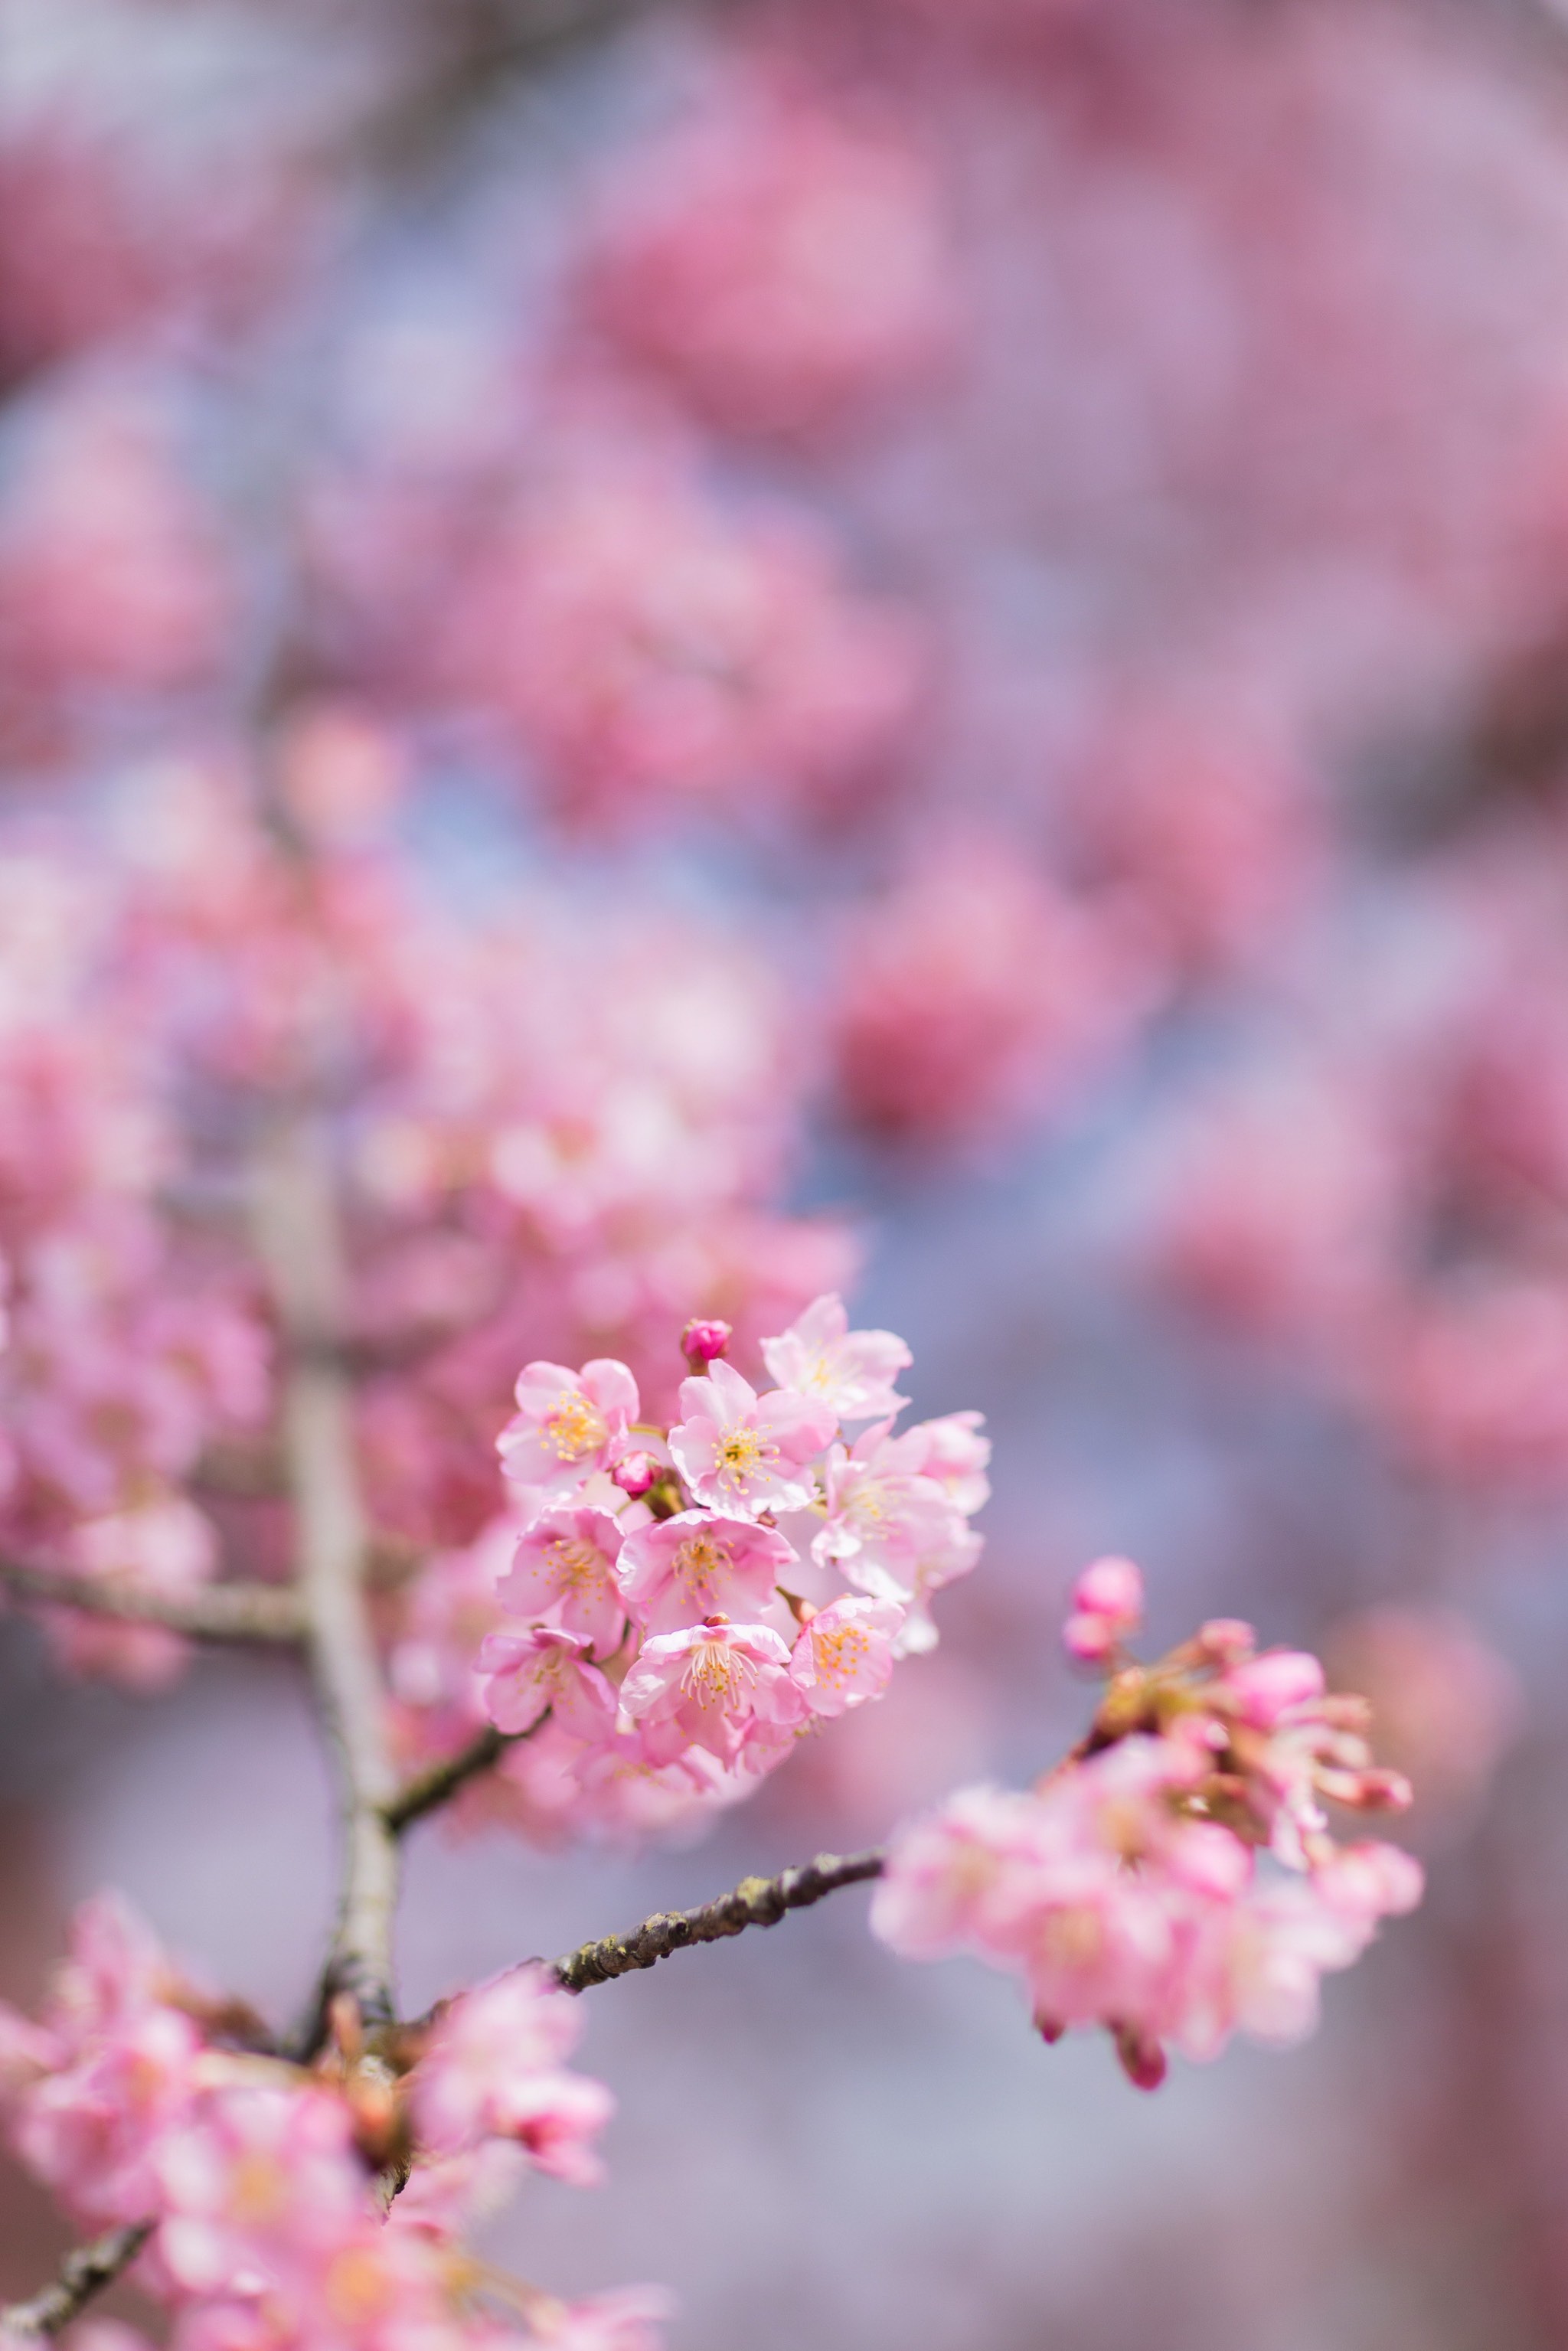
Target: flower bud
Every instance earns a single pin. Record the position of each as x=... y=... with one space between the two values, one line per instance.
x=1226 y=1640
x=1267 y=1687
x=1107 y=1603
x=635 y=1472
x=702 y=1343
x=1143 y=2061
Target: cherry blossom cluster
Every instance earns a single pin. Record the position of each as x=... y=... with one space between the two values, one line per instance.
x=307 y=2208
x=550 y=1129
x=1175 y=1880
x=127 y=1346
x=1379 y=1190
x=664 y=1614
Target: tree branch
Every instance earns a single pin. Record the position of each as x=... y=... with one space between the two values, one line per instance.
x=84 y=2271
x=439 y=1783
x=297 y=1234
x=754 y=1902
x=216 y=1612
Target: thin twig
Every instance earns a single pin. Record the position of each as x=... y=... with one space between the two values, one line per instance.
x=217 y=1612
x=430 y=1789
x=297 y=1229
x=84 y=2271
x=754 y=1902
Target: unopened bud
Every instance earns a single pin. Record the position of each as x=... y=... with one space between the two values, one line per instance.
x=1143 y=2061
x=702 y=1343
x=635 y=1472
x=1226 y=1640
x=1107 y=1603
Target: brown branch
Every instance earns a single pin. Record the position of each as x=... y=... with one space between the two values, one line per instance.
x=754 y=1902
x=85 y=2272
x=439 y=1783
x=217 y=1612
x=297 y=1234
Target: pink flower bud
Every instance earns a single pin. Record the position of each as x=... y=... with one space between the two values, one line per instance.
x=635 y=1473
x=1143 y=2061
x=702 y=1343
x=1226 y=1640
x=1266 y=1688
x=1111 y=1587
x=1107 y=1603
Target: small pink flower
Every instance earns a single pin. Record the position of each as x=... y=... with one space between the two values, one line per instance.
x=492 y=2069
x=677 y=1570
x=1107 y=1604
x=845 y=1654
x=954 y=1452
x=544 y=1669
x=707 y=1687
x=568 y=1424
x=566 y=1561
x=744 y=1453
x=851 y=1372
x=892 y=1533
x=265 y=2184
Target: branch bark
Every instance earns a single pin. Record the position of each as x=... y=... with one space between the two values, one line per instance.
x=430 y=1789
x=84 y=2273
x=300 y=1243
x=754 y=1902
x=216 y=1612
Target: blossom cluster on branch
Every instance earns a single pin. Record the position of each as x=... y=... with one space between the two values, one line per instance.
x=1125 y=1888
x=677 y=1608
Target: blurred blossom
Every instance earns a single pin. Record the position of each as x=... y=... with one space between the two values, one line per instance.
x=976 y=993
x=783 y=265
x=1448 y=1707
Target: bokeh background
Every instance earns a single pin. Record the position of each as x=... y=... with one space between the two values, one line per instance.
x=1021 y=548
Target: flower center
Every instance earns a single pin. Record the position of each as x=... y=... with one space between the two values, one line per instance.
x=698 y=1562
x=742 y=1453
x=714 y=1672
x=575 y=1428
x=840 y=1654
x=575 y=1561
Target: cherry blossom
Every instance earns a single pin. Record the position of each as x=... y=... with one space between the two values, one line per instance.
x=461 y=2094
x=852 y=1371
x=540 y=1670
x=682 y=1569
x=1126 y=1890
x=845 y=1652
x=568 y=1424
x=743 y=1452
x=567 y=1563
x=711 y=1685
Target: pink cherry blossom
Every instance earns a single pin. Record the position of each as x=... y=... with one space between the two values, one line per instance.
x=710 y=1684
x=261 y=2186
x=566 y=1565
x=700 y=1564
x=492 y=2068
x=892 y=1532
x=744 y=1453
x=851 y=1372
x=845 y=1652
x=568 y=1424
x=954 y=1452
x=544 y=1669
